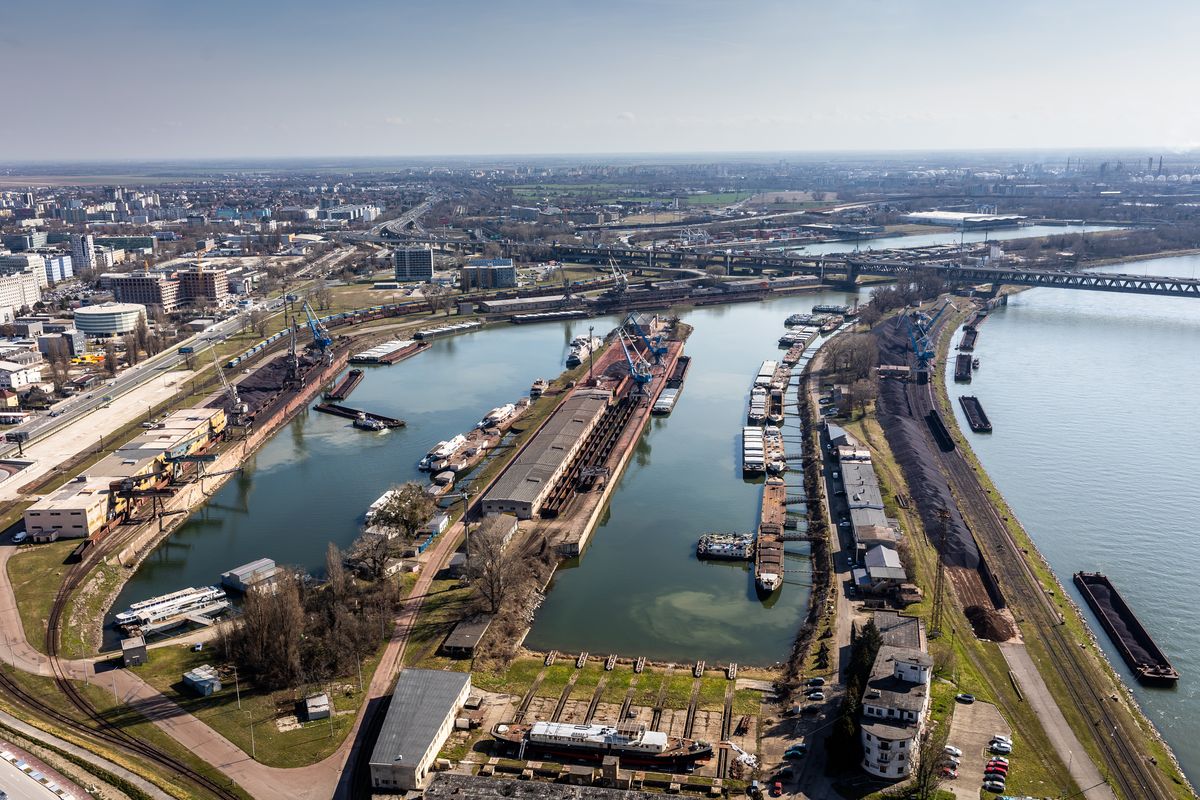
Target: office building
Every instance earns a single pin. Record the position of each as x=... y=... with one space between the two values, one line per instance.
x=203 y=285
x=489 y=273
x=147 y=289
x=109 y=319
x=894 y=705
x=18 y=290
x=58 y=267
x=25 y=262
x=414 y=264
x=83 y=251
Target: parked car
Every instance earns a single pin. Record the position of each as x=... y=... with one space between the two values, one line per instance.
x=816 y=696
x=952 y=750
x=1000 y=748
x=816 y=681
x=20 y=536
x=999 y=760
x=796 y=751
x=994 y=786
x=949 y=772
x=776 y=789
x=1000 y=737
x=965 y=698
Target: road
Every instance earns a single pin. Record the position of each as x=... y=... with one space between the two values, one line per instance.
x=396 y=226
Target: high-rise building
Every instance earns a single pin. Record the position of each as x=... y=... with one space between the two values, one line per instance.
x=83 y=251
x=413 y=264
x=489 y=273
x=199 y=285
x=147 y=289
x=18 y=290
x=25 y=262
x=59 y=267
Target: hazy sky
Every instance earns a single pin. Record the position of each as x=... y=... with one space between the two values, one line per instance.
x=218 y=78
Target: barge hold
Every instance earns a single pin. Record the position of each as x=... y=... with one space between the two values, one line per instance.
x=675 y=381
x=1126 y=631
x=768 y=550
x=631 y=741
x=389 y=352
x=346 y=385
x=754 y=459
x=357 y=414
x=967 y=343
x=976 y=417
x=447 y=330
x=726 y=546
x=665 y=403
x=962 y=368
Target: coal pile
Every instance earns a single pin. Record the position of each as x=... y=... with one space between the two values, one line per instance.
x=988 y=623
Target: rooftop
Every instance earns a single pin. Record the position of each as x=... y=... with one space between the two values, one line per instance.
x=892 y=691
x=420 y=702
x=897 y=630
x=466 y=634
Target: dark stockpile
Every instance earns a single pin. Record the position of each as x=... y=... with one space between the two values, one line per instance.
x=906 y=431
x=988 y=623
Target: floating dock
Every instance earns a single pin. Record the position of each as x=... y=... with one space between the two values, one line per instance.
x=346 y=385
x=976 y=417
x=389 y=352
x=1126 y=631
x=354 y=413
x=962 y=368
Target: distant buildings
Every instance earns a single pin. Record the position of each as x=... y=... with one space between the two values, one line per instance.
x=83 y=251
x=19 y=290
x=489 y=273
x=414 y=264
x=58 y=267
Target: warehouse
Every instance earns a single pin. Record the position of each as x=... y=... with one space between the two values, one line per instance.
x=419 y=719
x=517 y=304
x=532 y=474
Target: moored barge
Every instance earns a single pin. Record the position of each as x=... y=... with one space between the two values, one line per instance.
x=976 y=418
x=633 y=742
x=1138 y=649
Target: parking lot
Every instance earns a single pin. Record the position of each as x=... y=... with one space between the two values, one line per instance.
x=971 y=729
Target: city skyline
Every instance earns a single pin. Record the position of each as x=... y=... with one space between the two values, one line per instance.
x=141 y=80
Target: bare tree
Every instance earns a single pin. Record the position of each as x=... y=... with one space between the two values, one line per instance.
x=335 y=572
x=371 y=553
x=493 y=569
x=927 y=775
x=437 y=296
x=407 y=509
x=853 y=356
x=870 y=315
x=110 y=358
x=268 y=640
x=258 y=321
x=131 y=349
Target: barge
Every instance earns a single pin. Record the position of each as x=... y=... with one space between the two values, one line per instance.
x=447 y=330
x=962 y=368
x=754 y=459
x=1138 y=649
x=756 y=413
x=675 y=381
x=976 y=417
x=346 y=385
x=726 y=546
x=841 y=311
x=357 y=414
x=389 y=352
x=632 y=742
x=665 y=403
x=970 y=334
x=768 y=547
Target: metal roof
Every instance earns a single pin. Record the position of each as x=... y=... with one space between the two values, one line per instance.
x=466 y=634
x=420 y=703
x=529 y=475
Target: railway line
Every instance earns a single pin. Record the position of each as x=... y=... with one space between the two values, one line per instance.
x=97 y=727
x=1134 y=778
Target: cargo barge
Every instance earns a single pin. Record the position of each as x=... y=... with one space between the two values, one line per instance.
x=976 y=417
x=970 y=334
x=1138 y=649
x=803 y=337
x=962 y=368
x=389 y=352
x=357 y=415
x=447 y=330
x=665 y=403
x=754 y=458
x=768 y=547
x=675 y=381
x=346 y=385
x=632 y=742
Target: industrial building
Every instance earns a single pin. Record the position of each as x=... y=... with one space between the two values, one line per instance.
x=413 y=264
x=109 y=319
x=523 y=487
x=489 y=273
x=83 y=507
x=419 y=719
x=964 y=220
x=894 y=705
x=519 y=304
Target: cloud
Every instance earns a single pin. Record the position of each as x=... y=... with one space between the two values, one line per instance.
x=396 y=120
x=626 y=116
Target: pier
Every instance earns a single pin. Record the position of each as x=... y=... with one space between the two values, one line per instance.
x=354 y=413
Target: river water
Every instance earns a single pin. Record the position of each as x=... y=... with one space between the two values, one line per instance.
x=1088 y=394
x=947 y=237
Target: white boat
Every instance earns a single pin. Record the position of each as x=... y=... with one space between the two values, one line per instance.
x=379 y=503
x=726 y=546
x=442 y=451
x=758 y=405
x=496 y=416
x=581 y=348
x=178 y=604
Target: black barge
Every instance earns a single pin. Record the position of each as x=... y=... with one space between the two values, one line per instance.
x=962 y=368
x=1126 y=631
x=976 y=417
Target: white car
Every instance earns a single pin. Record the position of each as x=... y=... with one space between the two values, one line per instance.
x=1001 y=748
x=952 y=750
x=20 y=536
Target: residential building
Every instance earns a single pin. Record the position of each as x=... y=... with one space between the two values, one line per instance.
x=147 y=289
x=420 y=718
x=18 y=376
x=894 y=706
x=26 y=241
x=25 y=262
x=203 y=285
x=18 y=290
x=413 y=264
x=83 y=251
x=59 y=267
x=489 y=273
x=109 y=319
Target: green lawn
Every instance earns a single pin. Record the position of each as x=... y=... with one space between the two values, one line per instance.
x=712 y=693
x=646 y=693
x=306 y=744
x=446 y=604
x=617 y=685
x=556 y=678
x=679 y=691
x=36 y=572
x=516 y=680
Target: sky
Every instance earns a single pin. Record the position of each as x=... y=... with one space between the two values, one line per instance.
x=158 y=79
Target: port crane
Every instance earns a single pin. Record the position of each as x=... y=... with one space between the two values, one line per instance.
x=620 y=278
x=920 y=326
x=639 y=370
x=237 y=409
x=654 y=345
x=321 y=338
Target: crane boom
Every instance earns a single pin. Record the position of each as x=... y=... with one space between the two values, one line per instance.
x=237 y=408
x=321 y=337
x=654 y=346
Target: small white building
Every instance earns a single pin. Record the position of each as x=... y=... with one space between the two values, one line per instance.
x=18 y=376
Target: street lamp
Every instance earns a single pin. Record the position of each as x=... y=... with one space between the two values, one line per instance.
x=253 y=749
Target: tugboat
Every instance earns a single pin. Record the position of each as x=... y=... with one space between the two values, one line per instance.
x=365 y=423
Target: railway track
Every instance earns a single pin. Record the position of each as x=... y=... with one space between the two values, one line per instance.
x=1134 y=778
x=726 y=731
x=690 y=721
x=99 y=728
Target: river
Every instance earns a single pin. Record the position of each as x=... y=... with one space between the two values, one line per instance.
x=946 y=237
x=1086 y=393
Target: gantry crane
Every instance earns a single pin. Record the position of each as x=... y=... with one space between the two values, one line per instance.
x=654 y=344
x=639 y=370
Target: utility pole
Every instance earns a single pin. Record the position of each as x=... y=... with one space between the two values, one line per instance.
x=939 y=585
x=591 y=355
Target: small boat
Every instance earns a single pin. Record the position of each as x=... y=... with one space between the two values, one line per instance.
x=365 y=423
x=726 y=546
x=496 y=416
x=442 y=451
x=581 y=348
x=538 y=388
x=975 y=363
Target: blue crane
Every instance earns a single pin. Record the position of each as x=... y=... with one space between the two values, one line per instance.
x=654 y=345
x=321 y=337
x=639 y=370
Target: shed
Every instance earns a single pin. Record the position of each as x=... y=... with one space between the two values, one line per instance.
x=438 y=524
x=242 y=578
x=420 y=717
x=466 y=635
x=317 y=707
x=203 y=680
x=133 y=651
x=457 y=566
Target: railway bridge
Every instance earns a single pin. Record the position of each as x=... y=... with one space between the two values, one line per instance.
x=847 y=267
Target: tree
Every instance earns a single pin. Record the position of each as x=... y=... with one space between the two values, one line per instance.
x=493 y=569
x=131 y=349
x=870 y=314
x=407 y=509
x=853 y=356
x=927 y=774
x=110 y=358
x=437 y=296
x=267 y=643
x=371 y=553
x=258 y=321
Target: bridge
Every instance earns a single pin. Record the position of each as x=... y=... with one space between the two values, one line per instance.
x=848 y=267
